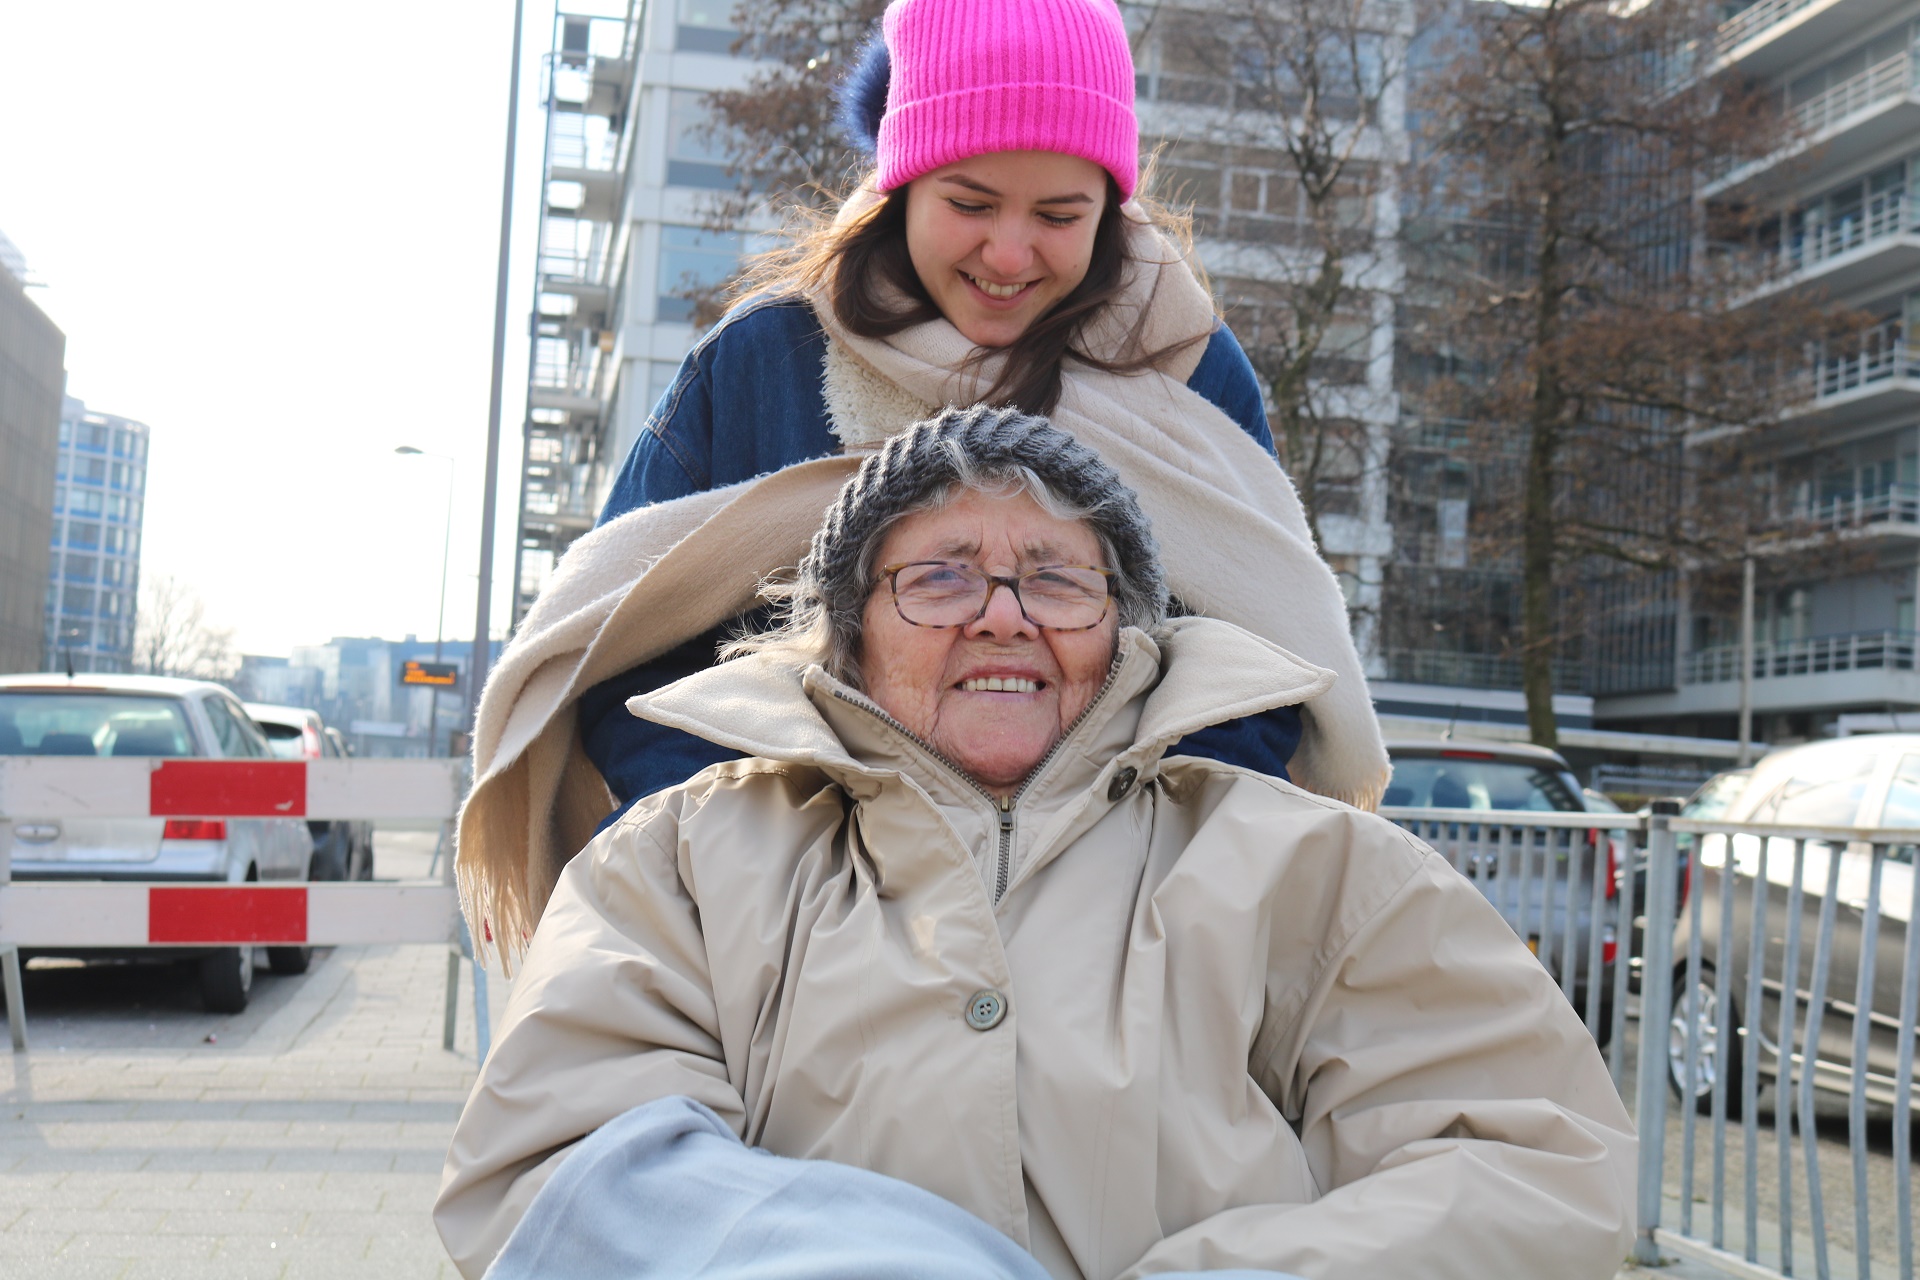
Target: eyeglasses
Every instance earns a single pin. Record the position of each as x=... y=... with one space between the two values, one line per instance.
x=1059 y=597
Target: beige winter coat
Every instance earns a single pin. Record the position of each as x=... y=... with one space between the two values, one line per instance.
x=1245 y=1026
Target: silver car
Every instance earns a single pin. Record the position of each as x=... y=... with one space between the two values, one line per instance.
x=152 y=716
x=1868 y=781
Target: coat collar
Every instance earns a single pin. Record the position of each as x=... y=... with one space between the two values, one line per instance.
x=1200 y=671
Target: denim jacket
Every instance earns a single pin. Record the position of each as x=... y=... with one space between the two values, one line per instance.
x=749 y=400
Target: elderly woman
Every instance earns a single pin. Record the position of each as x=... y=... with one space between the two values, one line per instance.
x=957 y=920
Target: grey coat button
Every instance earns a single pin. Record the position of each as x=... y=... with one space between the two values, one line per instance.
x=985 y=1009
x=1122 y=783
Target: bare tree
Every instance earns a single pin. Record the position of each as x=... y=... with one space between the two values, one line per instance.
x=172 y=636
x=1292 y=164
x=1578 y=312
x=780 y=126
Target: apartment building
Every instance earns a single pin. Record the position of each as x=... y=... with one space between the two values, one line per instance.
x=99 y=501
x=32 y=376
x=1837 y=570
x=628 y=183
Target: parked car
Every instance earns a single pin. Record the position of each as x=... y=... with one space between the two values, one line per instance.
x=1867 y=781
x=105 y=715
x=342 y=847
x=1542 y=883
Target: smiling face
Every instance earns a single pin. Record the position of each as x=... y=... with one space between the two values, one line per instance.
x=937 y=681
x=998 y=239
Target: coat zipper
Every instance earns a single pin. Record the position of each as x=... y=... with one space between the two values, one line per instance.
x=1003 y=805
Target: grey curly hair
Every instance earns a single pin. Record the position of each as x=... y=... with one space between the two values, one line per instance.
x=994 y=451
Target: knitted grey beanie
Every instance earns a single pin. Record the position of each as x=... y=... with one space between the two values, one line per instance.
x=984 y=443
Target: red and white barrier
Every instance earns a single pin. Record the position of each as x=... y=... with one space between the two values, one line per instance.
x=136 y=787
x=55 y=914
x=106 y=913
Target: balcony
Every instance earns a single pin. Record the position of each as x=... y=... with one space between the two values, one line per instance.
x=1768 y=37
x=1755 y=19
x=1819 y=655
x=1833 y=130
x=1895 y=510
x=1847 y=255
x=1877 y=373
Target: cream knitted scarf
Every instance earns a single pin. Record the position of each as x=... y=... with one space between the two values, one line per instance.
x=1231 y=531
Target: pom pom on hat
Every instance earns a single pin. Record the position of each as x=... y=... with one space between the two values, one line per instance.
x=863 y=95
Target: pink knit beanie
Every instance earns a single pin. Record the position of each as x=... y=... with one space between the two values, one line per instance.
x=970 y=77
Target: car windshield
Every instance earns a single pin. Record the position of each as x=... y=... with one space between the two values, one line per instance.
x=1716 y=795
x=82 y=723
x=1468 y=782
x=284 y=739
x=1825 y=791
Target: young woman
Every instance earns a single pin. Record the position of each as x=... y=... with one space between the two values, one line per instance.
x=994 y=253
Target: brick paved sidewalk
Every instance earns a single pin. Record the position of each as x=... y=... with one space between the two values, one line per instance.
x=311 y=1147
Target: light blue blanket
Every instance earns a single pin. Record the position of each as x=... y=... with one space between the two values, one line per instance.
x=668 y=1191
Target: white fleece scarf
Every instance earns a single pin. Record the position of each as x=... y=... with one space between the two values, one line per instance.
x=1232 y=535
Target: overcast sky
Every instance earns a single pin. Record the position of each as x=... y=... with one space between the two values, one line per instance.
x=269 y=231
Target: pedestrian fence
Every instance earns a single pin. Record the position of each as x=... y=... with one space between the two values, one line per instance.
x=1773 y=968
x=124 y=914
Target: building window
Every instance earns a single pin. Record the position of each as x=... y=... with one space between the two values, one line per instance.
x=705 y=26
x=77 y=600
x=692 y=260
x=696 y=157
x=78 y=568
x=94 y=435
x=83 y=533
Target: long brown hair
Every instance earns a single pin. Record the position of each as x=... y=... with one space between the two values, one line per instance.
x=863 y=267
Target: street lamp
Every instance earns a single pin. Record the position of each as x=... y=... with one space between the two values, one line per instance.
x=440 y=620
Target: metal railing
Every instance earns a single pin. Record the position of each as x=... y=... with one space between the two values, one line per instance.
x=1875 y=355
x=1749 y=22
x=1884 y=215
x=1817 y=655
x=1887 y=80
x=1726 y=921
x=1896 y=504
x=1883 y=81
x=1792 y=951
x=1475 y=670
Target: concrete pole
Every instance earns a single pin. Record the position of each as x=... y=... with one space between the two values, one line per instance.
x=1746 y=659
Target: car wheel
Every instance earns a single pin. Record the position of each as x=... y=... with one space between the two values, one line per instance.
x=226 y=977
x=289 y=960
x=1701 y=1008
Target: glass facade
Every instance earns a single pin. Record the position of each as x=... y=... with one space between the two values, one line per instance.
x=93 y=574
